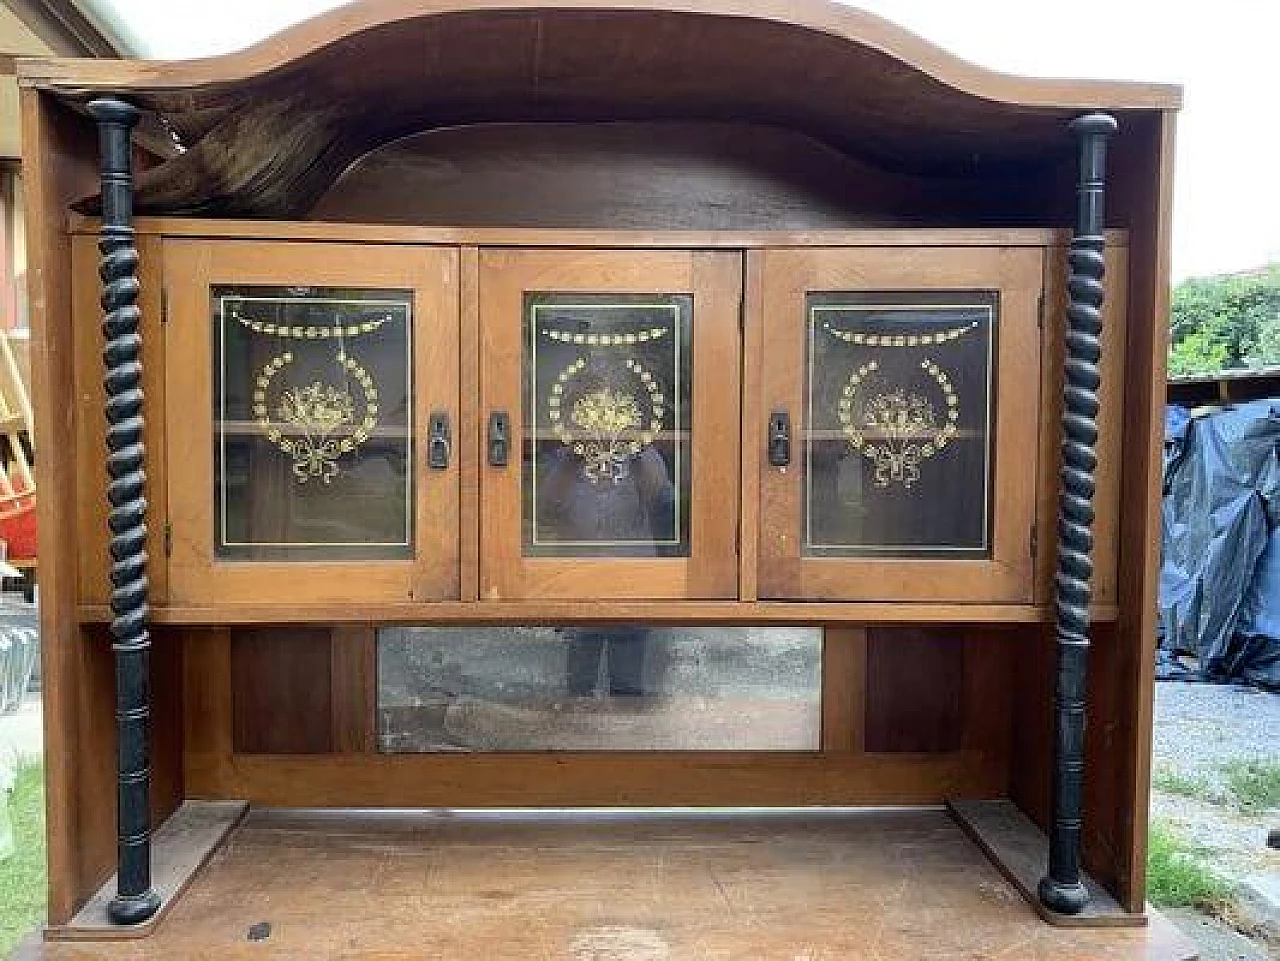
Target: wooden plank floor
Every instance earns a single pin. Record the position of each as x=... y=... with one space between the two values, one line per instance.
x=826 y=886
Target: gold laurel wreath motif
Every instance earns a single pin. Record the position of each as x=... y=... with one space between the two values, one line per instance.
x=313 y=417
x=610 y=427
x=898 y=430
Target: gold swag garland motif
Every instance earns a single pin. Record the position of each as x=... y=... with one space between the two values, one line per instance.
x=863 y=339
x=319 y=422
x=309 y=331
x=610 y=426
x=606 y=340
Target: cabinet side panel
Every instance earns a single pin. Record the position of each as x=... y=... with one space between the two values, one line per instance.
x=1144 y=198
x=59 y=165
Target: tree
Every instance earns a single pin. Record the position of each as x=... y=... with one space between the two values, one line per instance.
x=1223 y=322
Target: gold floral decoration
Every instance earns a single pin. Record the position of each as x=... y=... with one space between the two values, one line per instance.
x=608 y=423
x=316 y=422
x=898 y=430
x=320 y=408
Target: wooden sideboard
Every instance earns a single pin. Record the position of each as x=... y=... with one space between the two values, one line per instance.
x=551 y=321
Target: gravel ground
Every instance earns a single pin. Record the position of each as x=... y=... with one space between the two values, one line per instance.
x=1198 y=729
x=1216 y=941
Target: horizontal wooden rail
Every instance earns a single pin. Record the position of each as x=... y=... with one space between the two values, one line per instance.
x=530 y=612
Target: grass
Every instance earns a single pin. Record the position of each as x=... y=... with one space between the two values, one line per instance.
x=1177 y=877
x=1184 y=785
x=22 y=877
x=1255 y=785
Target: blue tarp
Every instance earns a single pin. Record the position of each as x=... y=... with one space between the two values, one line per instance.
x=1220 y=572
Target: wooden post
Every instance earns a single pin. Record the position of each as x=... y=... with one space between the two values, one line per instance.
x=135 y=900
x=1062 y=889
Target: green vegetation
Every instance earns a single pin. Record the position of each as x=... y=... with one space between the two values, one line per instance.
x=1184 y=785
x=1222 y=322
x=1177 y=876
x=1255 y=785
x=22 y=877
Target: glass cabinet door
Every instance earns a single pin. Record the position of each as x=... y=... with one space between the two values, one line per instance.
x=906 y=388
x=610 y=388
x=310 y=422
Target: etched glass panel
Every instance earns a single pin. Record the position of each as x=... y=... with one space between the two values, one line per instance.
x=597 y=688
x=899 y=424
x=607 y=425
x=313 y=423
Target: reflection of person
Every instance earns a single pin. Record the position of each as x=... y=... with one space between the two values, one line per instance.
x=622 y=649
x=638 y=507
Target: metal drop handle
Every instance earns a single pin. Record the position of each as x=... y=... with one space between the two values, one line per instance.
x=779 y=438
x=439 y=441
x=499 y=438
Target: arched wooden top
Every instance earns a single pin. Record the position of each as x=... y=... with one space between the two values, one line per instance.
x=271 y=126
x=819 y=16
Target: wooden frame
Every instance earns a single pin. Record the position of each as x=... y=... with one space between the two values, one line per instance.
x=350 y=772
x=710 y=569
x=154 y=233
x=882 y=97
x=196 y=576
x=1007 y=576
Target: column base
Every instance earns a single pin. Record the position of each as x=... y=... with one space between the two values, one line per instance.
x=133 y=909
x=1063 y=898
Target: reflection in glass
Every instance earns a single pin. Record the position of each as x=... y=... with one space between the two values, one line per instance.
x=898 y=425
x=312 y=423
x=612 y=687
x=606 y=425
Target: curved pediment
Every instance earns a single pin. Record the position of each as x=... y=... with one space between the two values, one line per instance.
x=269 y=129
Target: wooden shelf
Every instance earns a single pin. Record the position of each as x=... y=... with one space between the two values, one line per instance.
x=555 y=612
x=568 y=237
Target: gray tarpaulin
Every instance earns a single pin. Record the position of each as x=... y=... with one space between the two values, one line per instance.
x=1220 y=574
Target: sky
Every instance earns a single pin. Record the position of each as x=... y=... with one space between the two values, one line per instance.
x=1227 y=179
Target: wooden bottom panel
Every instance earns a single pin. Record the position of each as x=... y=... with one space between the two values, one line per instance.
x=1021 y=851
x=591 y=780
x=767 y=887
x=179 y=848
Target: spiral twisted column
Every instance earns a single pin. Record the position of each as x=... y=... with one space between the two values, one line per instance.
x=135 y=900
x=1062 y=889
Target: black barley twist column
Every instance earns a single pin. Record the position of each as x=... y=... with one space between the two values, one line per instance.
x=1062 y=889
x=135 y=901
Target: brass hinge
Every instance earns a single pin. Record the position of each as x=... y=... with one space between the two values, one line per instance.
x=168 y=539
x=1035 y=539
x=164 y=305
x=1040 y=311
